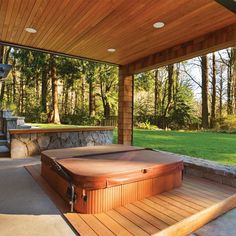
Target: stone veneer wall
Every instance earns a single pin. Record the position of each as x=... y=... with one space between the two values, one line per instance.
x=220 y=173
x=31 y=144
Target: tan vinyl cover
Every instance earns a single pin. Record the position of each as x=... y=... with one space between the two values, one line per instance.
x=105 y=166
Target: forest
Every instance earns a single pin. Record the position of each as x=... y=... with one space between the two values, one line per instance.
x=196 y=94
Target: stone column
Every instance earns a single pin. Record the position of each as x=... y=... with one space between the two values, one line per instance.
x=125 y=108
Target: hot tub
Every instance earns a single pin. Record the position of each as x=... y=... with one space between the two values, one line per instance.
x=105 y=177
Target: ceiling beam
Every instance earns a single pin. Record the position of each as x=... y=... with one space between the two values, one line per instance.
x=60 y=54
x=220 y=39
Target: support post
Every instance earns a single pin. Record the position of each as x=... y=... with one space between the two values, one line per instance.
x=125 y=107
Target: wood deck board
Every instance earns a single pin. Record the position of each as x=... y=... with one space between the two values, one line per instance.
x=145 y=217
x=175 y=203
x=213 y=185
x=96 y=225
x=170 y=207
x=115 y=227
x=136 y=219
x=206 y=190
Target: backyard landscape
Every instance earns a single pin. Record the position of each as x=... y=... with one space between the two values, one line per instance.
x=186 y=108
x=214 y=146
x=117 y=117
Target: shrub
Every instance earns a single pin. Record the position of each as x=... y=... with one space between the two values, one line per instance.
x=227 y=123
x=146 y=125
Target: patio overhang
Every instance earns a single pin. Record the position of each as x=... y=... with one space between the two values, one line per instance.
x=87 y=29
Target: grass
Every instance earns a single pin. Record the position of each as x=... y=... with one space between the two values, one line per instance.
x=48 y=126
x=207 y=145
x=218 y=147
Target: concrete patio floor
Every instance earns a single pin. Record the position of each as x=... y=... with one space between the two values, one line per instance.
x=24 y=208
x=222 y=226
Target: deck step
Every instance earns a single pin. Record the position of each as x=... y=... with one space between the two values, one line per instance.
x=3 y=142
x=2 y=136
x=4 y=151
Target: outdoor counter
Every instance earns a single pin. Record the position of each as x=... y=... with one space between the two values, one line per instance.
x=30 y=142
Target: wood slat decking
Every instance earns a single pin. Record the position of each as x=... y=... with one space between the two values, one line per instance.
x=146 y=217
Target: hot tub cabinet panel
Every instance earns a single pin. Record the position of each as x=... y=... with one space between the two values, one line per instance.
x=136 y=174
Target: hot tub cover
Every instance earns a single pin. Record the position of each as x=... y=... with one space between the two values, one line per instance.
x=110 y=165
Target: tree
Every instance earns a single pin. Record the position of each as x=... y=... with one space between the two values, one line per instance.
x=2 y=82
x=55 y=118
x=213 y=96
x=4 y=58
x=204 y=68
x=157 y=92
x=108 y=80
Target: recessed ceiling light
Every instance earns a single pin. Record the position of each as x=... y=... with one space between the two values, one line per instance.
x=159 y=25
x=111 y=49
x=30 y=30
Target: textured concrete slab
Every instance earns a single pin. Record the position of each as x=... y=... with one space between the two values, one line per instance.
x=225 y=225
x=24 y=208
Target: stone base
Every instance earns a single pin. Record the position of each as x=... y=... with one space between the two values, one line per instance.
x=31 y=144
x=220 y=173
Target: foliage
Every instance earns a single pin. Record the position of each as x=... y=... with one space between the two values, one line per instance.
x=146 y=125
x=227 y=123
x=166 y=97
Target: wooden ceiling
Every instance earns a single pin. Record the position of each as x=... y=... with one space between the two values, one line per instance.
x=87 y=28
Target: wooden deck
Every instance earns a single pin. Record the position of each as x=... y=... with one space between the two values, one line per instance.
x=152 y=215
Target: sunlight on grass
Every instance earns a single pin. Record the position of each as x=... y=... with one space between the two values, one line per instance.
x=207 y=145
x=46 y=126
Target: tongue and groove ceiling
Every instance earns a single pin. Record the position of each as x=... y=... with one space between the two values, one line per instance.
x=87 y=28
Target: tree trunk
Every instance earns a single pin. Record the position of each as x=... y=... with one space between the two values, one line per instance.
x=204 y=65
x=234 y=75
x=44 y=90
x=66 y=95
x=213 y=101
x=156 y=92
x=55 y=118
x=21 y=96
x=170 y=83
x=2 y=82
x=82 y=100
x=107 y=109
x=91 y=98
x=14 y=82
x=221 y=92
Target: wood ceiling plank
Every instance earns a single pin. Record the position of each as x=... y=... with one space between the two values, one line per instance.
x=62 y=21
x=34 y=17
x=216 y=21
x=170 y=36
x=41 y=24
x=216 y=40
x=12 y=28
x=103 y=13
x=19 y=13
x=3 y=12
x=7 y=18
x=136 y=27
x=87 y=28
x=23 y=16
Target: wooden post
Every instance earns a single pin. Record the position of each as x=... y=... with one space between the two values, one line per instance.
x=125 y=108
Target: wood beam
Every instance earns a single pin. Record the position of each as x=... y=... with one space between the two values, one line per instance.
x=220 y=39
x=125 y=107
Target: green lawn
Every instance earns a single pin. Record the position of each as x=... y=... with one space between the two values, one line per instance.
x=48 y=126
x=208 y=145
